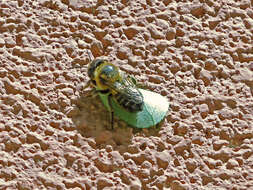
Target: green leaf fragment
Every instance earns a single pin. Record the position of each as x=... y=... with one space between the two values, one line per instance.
x=154 y=110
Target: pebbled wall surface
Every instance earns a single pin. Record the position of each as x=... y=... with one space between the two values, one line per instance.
x=197 y=53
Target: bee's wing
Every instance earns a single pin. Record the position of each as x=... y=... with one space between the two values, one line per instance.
x=126 y=94
x=122 y=85
x=118 y=86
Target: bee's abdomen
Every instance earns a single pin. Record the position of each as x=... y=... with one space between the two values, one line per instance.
x=131 y=102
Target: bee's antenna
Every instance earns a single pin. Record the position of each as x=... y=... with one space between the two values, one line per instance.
x=89 y=55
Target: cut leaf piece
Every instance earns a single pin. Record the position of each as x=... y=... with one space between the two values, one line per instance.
x=154 y=110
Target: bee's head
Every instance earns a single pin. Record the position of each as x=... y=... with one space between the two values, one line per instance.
x=101 y=72
x=93 y=66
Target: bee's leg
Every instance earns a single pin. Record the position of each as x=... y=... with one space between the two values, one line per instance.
x=87 y=93
x=111 y=110
x=91 y=93
x=134 y=82
x=87 y=84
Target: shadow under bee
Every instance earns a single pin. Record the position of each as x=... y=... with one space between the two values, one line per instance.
x=93 y=120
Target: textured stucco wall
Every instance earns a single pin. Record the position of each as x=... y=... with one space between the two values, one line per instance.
x=199 y=54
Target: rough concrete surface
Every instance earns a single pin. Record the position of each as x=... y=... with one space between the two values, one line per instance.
x=199 y=54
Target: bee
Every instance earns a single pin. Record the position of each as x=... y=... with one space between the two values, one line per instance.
x=106 y=78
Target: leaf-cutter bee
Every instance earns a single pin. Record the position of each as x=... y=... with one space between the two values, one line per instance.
x=106 y=78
